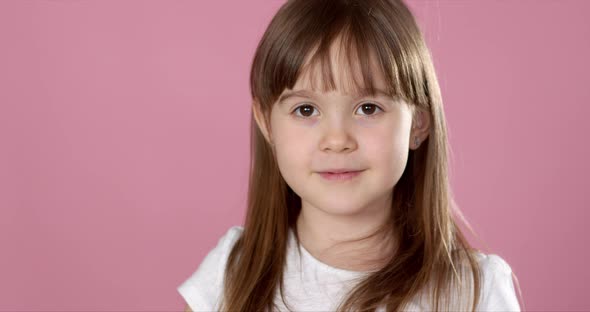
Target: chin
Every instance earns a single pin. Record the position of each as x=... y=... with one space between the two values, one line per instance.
x=342 y=208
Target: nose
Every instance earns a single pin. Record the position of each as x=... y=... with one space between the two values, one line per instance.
x=337 y=137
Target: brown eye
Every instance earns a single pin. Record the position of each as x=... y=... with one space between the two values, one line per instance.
x=369 y=108
x=306 y=110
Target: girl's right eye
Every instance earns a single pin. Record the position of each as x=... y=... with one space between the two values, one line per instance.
x=305 y=110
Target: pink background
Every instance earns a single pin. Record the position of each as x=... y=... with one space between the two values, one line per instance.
x=124 y=142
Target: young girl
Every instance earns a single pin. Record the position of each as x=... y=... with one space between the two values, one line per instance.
x=349 y=206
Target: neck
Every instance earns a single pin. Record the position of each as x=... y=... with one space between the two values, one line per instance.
x=337 y=239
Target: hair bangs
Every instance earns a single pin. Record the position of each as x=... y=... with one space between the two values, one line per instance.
x=361 y=47
x=356 y=58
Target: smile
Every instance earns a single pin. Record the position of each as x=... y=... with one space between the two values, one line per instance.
x=341 y=176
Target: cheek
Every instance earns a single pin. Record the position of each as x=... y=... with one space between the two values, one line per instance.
x=387 y=150
x=291 y=148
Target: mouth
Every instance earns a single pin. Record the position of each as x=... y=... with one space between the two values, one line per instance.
x=340 y=176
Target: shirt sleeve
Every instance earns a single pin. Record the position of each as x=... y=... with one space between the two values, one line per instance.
x=203 y=289
x=498 y=292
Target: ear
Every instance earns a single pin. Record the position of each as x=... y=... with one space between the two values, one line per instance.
x=261 y=121
x=421 y=122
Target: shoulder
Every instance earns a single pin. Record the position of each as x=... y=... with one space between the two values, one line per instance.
x=493 y=262
x=497 y=287
x=204 y=286
x=231 y=235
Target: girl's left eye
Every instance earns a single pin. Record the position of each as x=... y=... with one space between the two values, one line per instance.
x=370 y=110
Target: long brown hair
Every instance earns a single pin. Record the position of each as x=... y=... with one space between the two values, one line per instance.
x=433 y=256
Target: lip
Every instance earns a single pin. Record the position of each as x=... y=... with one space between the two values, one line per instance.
x=340 y=176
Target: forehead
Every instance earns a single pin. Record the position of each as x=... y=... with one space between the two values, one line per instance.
x=346 y=73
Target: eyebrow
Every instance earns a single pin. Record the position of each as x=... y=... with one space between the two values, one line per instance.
x=310 y=94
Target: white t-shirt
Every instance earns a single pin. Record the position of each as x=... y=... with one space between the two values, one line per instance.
x=311 y=285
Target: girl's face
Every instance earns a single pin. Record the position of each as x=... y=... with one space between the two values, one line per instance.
x=318 y=132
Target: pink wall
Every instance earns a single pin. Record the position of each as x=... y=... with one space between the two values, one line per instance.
x=124 y=142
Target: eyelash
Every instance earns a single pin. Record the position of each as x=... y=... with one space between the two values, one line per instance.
x=360 y=106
